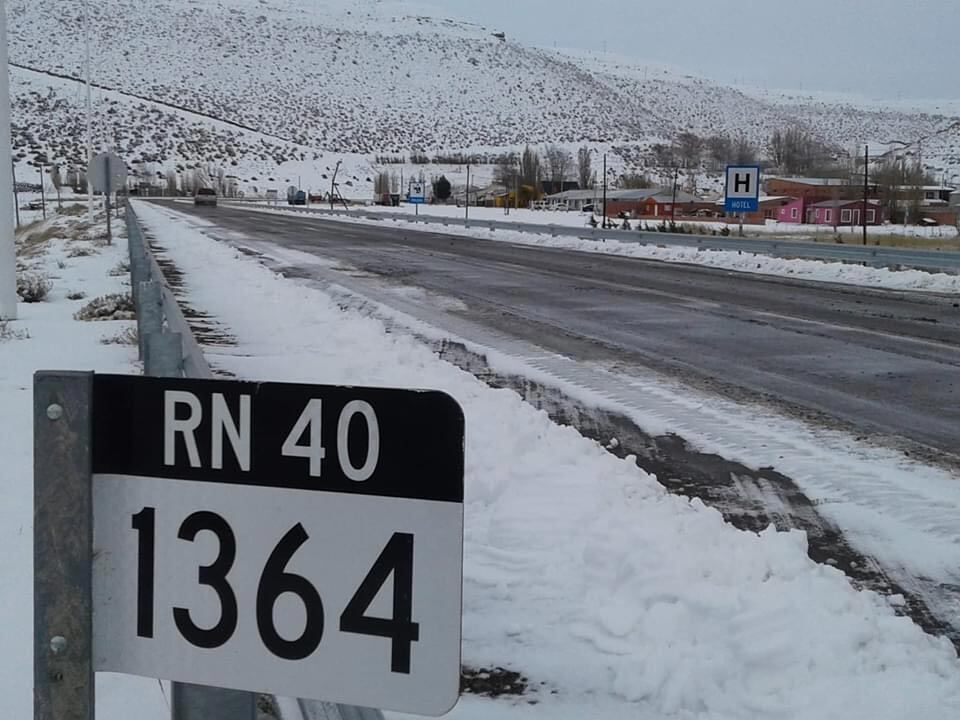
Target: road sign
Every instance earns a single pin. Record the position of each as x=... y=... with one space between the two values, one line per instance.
x=299 y=540
x=108 y=173
x=743 y=189
x=417 y=195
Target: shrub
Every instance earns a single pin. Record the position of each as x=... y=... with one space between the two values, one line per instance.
x=33 y=288
x=115 y=306
x=127 y=336
x=76 y=295
x=9 y=333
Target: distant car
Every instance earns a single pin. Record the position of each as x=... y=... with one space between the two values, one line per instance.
x=205 y=196
x=588 y=208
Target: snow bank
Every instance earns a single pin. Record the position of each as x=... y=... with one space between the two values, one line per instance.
x=580 y=571
x=56 y=341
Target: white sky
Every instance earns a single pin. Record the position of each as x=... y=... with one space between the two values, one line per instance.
x=883 y=49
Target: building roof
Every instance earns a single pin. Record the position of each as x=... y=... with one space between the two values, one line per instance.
x=821 y=182
x=575 y=195
x=842 y=203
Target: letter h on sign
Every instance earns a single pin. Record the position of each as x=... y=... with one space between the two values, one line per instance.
x=741 y=182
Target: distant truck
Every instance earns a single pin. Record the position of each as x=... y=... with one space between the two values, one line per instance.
x=296 y=197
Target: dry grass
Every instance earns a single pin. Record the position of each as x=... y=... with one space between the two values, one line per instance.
x=75 y=209
x=31 y=240
x=120 y=269
x=10 y=333
x=847 y=238
x=127 y=336
x=81 y=251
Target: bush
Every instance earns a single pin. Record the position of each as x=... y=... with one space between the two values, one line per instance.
x=76 y=295
x=8 y=333
x=33 y=288
x=120 y=269
x=127 y=336
x=115 y=306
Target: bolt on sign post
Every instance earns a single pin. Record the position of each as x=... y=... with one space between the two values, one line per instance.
x=299 y=540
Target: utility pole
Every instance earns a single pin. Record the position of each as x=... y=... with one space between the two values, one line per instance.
x=673 y=202
x=16 y=195
x=604 y=225
x=8 y=252
x=866 y=188
x=86 y=44
x=466 y=204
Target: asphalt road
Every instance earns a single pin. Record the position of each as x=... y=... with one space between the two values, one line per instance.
x=883 y=363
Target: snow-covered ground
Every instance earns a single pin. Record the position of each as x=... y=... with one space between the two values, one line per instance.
x=46 y=336
x=739 y=261
x=581 y=572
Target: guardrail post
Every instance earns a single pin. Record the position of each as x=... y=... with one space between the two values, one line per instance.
x=149 y=307
x=163 y=354
x=63 y=676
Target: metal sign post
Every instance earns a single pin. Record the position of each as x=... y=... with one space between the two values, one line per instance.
x=63 y=547
x=107 y=172
x=297 y=540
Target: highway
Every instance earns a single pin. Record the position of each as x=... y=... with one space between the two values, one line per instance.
x=883 y=364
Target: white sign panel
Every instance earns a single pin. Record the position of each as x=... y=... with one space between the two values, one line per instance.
x=743 y=188
x=304 y=541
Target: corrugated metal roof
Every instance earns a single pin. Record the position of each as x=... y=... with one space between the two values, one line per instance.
x=841 y=203
x=824 y=182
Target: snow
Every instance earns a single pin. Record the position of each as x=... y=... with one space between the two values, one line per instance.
x=822 y=271
x=55 y=341
x=580 y=571
x=351 y=80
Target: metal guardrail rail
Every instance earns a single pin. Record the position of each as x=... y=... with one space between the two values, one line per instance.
x=168 y=348
x=893 y=257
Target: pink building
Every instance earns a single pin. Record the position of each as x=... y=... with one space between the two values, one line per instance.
x=794 y=211
x=844 y=213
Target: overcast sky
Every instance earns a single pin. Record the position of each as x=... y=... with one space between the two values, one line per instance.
x=883 y=49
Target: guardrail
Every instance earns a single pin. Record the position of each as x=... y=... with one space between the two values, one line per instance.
x=168 y=348
x=892 y=257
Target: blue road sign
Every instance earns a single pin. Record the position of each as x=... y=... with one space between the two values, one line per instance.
x=743 y=189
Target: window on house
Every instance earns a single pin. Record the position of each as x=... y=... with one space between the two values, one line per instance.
x=871 y=216
x=828 y=216
x=768 y=214
x=846 y=215
x=794 y=213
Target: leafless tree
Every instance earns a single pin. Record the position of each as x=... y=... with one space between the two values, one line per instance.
x=507 y=172
x=171 y=179
x=558 y=161
x=633 y=181
x=690 y=149
x=744 y=153
x=530 y=170
x=719 y=151
x=584 y=169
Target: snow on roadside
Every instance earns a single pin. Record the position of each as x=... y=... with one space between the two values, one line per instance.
x=45 y=336
x=817 y=270
x=580 y=571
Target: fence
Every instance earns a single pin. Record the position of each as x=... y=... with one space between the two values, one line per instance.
x=168 y=348
x=892 y=257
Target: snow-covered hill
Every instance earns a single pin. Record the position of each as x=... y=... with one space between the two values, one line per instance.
x=277 y=87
